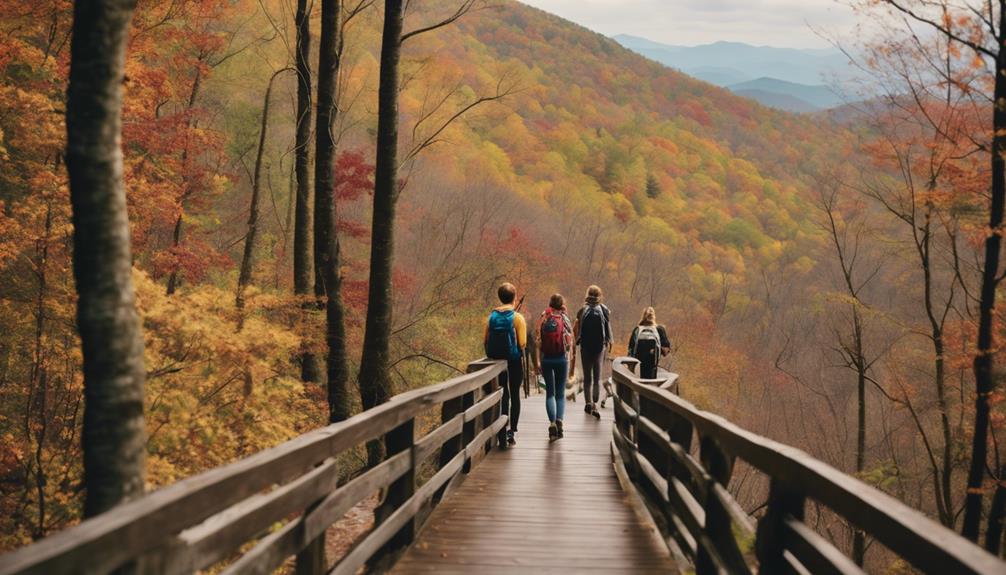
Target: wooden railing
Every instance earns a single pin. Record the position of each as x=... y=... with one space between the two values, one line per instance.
x=210 y=518
x=688 y=498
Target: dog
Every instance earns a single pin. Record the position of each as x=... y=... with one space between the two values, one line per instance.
x=574 y=385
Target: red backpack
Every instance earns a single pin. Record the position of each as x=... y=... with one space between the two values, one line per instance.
x=553 y=333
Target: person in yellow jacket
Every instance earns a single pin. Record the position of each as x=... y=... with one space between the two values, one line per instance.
x=506 y=338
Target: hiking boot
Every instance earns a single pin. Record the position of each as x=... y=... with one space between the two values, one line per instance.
x=587 y=408
x=558 y=428
x=553 y=432
x=594 y=412
x=510 y=439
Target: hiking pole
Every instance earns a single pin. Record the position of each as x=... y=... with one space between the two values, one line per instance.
x=524 y=360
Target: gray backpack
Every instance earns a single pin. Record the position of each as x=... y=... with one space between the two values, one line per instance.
x=647 y=342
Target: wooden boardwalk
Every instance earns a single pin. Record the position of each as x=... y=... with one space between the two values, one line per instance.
x=541 y=507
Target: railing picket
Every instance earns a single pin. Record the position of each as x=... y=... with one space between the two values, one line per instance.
x=468 y=431
x=400 y=439
x=917 y=539
x=196 y=523
x=311 y=560
x=719 y=525
x=770 y=543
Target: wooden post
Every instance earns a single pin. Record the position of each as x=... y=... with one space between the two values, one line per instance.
x=681 y=432
x=652 y=450
x=468 y=431
x=490 y=416
x=311 y=560
x=718 y=525
x=628 y=398
x=769 y=542
x=400 y=439
x=453 y=446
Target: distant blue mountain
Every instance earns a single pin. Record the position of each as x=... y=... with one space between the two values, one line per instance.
x=817 y=96
x=808 y=79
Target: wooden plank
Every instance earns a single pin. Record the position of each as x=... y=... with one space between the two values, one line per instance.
x=816 y=554
x=433 y=440
x=720 y=532
x=920 y=540
x=657 y=483
x=399 y=440
x=216 y=537
x=792 y=565
x=740 y=519
x=770 y=545
x=274 y=549
x=483 y=405
x=475 y=446
x=102 y=543
x=366 y=549
x=640 y=506
x=541 y=507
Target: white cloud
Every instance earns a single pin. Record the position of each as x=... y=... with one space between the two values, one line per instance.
x=790 y=23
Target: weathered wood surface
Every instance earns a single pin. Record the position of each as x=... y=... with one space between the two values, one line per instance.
x=654 y=432
x=552 y=507
x=539 y=508
x=197 y=521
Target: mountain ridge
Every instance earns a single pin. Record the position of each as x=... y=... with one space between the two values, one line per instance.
x=814 y=76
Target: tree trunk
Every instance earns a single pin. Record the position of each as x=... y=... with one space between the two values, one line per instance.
x=38 y=393
x=177 y=234
x=248 y=259
x=176 y=241
x=984 y=382
x=326 y=230
x=943 y=496
x=303 y=257
x=374 y=379
x=858 y=536
x=113 y=435
x=997 y=513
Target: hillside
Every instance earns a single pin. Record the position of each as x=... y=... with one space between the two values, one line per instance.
x=601 y=166
x=819 y=95
x=609 y=168
x=776 y=100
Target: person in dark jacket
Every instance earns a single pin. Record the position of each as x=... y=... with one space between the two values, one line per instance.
x=592 y=332
x=649 y=343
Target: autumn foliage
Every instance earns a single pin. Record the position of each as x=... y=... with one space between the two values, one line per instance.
x=600 y=167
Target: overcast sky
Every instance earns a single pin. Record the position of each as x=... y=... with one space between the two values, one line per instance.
x=786 y=23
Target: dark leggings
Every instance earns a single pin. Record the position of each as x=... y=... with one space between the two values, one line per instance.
x=510 y=381
x=591 y=365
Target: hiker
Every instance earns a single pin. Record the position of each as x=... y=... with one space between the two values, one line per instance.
x=592 y=331
x=555 y=338
x=505 y=338
x=648 y=343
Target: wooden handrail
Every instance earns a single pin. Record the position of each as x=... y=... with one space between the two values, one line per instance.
x=652 y=440
x=198 y=521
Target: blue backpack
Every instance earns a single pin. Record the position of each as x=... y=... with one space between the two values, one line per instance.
x=501 y=343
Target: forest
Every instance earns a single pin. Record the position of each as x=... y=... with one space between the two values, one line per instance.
x=320 y=201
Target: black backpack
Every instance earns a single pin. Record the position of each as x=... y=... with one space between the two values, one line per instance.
x=594 y=329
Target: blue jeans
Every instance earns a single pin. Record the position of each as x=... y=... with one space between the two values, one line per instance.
x=555 y=370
